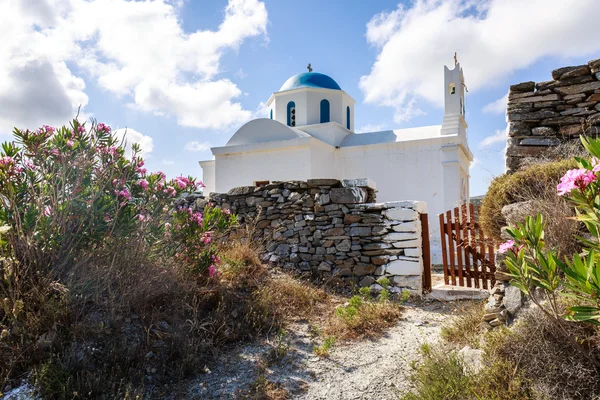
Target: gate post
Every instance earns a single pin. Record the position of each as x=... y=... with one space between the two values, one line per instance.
x=426 y=251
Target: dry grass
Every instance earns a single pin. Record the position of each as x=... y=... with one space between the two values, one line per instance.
x=465 y=328
x=361 y=320
x=538 y=183
x=263 y=389
x=555 y=369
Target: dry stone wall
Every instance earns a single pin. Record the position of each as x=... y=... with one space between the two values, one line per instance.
x=546 y=114
x=333 y=230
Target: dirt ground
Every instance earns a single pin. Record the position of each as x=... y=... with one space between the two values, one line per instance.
x=368 y=369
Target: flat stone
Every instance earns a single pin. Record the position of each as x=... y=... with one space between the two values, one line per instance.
x=404 y=267
x=559 y=72
x=360 y=182
x=241 y=191
x=399 y=236
x=360 y=231
x=334 y=232
x=407 y=243
x=413 y=226
x=532 y=116
x=348 y=195
x=401 y=214
x=351 y=218
x=324 y=199
x=579 y=88
x=412 y=282
x=364 y=269
x=366 y=281
x=540 y=142
x=472 y=359
x=523 y=87
x=535 y=99
x=577 y=71
x=344 y=245
x=513 y=299
x=413 y=252
x=571 y=130
x=519 y=128
x=543 y=131
x=322 y=182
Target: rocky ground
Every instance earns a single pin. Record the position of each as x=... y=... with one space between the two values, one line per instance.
x=368 y=369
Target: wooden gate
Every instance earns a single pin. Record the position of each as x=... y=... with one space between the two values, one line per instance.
x=467 y=255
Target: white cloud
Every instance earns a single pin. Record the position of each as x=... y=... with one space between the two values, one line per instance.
x=371 y=128
x=497 y=137
x=498 y=106
x=493 y=38
x=131 y=136
x=137 y=50
x=197 y=146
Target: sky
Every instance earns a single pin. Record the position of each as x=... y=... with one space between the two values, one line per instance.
x=181 y=76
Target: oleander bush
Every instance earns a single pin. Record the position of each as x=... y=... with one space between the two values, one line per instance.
x=105 y=287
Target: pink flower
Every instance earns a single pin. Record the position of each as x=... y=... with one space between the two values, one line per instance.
x=167 y=225
x=50 y=130
x=47 y=211
x=70 y=143
x=103 y=128
x=141 y=217
x=123 y=194
x=29 y=165
x=141 y=171
x=6 y=161
x=107 y=218
x=508 y=245
x=161 y=175
x=206 y=238
x=170 y=191
x=196 y=217
x=227 y=212
x=55 y=152
x=143 y=183
x=81 y=129
x=575 y=179
x=212 y=270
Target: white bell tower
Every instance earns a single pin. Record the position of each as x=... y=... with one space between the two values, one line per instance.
x=454 y=101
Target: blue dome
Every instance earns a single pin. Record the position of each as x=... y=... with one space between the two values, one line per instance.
x=310 y=79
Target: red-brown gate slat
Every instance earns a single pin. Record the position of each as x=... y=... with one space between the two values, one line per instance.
x=444 y=250
x=464 y=244
x=451 y=247
x=473 y=245
x=459 y=260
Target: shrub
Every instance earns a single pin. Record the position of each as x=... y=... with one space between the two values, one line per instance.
x=362 y=317
x=553 y=366
x=443 y=375
x=86 y=239
x=464 y=329
x=538 y=183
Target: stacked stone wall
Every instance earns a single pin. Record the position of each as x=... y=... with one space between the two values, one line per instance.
x=544 y=115
x=333 y=230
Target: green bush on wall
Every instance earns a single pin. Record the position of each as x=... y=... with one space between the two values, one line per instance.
x=535 y=182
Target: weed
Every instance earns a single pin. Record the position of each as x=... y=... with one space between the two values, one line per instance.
x=464 y=328
x=323 y=349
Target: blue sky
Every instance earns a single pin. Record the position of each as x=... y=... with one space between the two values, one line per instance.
x=184 y=75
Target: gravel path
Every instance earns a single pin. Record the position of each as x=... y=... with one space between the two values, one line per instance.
x=369 y=369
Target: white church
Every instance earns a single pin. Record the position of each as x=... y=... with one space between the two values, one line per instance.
x=310 y=134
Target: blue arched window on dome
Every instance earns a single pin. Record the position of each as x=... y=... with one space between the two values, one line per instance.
x=348 y=118
x=324 y=111
x=291 y=113
x=271 y=113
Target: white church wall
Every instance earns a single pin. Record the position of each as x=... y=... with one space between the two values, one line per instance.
x=322 y=160
x=348 y=102
x=280 y=107
x=244 y=169
x=331 y=133
x=403 y=170
x=208 y=176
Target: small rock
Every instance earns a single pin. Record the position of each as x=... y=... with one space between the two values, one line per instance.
x=513 y=299
x=473 y=359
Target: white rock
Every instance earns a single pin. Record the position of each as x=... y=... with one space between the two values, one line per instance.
x=401 y=214
x=413 y=252
x=404 y=267
x=413 y=226
x=407 y=243
x=473 y=359
x=399 y=236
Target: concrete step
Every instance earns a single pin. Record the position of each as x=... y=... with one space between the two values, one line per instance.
x=444 y=292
